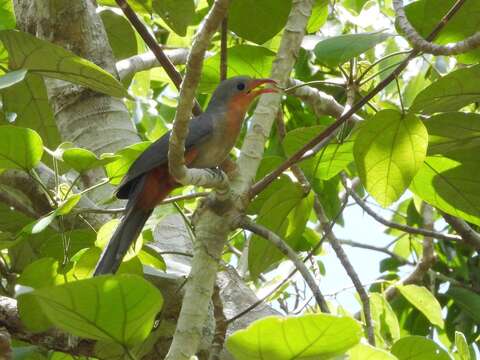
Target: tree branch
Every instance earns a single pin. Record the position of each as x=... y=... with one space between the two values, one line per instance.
x=470 y=236
x=427 y=46
x=194 y=65
x=393 y=225
x=375 y=248
x=156 y=49
x=281 y=245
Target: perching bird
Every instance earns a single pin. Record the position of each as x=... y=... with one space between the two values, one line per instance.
x=211 y=137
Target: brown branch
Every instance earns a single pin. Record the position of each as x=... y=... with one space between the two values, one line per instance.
x=323 y=138
x=163 y=59
x=220 y=325
x=352 y=274
x=224 y=49
x=281 y=245
x=470 y=236
x=394 y=225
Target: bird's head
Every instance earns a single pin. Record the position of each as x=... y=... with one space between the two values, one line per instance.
x=239 y=92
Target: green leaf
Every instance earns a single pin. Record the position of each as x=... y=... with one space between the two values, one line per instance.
x=451 y=186
x=367 y=352
x=258 y=20
x=462 y=346
x=68 y=204
x=118 y=308
x=121 y=35
x=334 y=158
x=29 y=100
x=418 y=348
x=83 y=160
x=20 y=148
x=7 y=15
x=450 y=93
x=12 y=77
x=423 y=300
x=467 y=300
x=249 y=60
x=389 y=150
x=47 y=59
x=354 y=5
x=318 y=17
x=340 y=49
x=285 y=213
x=125 y=158
x=177 y=14
x=452 y=132
x=384 y=317
x=314 y=336
x=41 y=273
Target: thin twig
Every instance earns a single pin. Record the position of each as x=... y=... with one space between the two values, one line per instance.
x=394 y=225
x=170 y=69
x=384 y=250
x=281 y=245
x=220 y=325
x=468 y=235
x=224 y=49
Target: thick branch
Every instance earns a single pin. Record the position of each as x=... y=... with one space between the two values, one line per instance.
x=268 y=106
x=426 y=46
x=187 y=94
x=281 y=245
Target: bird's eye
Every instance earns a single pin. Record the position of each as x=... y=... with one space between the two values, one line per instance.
x=241 y=86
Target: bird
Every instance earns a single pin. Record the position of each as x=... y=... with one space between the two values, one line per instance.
x=211 y=137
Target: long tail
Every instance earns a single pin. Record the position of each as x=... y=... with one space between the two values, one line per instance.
x=123 y=237
x=150 y=190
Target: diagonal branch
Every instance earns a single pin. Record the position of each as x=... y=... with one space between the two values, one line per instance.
x=156 y=49
x=470 y=236
x=281 y=245
x=393 y=225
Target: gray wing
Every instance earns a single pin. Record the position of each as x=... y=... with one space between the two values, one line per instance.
x=199 y=130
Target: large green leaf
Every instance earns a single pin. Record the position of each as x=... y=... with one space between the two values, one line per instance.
x=423 y=300
x=83 y=160
x=125 y=157
x=451 y=132
x=462 y=346
x=29 y=100
x=418 y=348
x=20 y=148
x=258 y=20
x=450 y=93
x=254 y=61
x=367 y=352
x=177 y=14
x=118 y=308
x=337 y=50
x=318 y=17
x=334 y=158
x=121 y=35
x=451 y=186
x=389 y=150
x=424 y=15
x=467 y=300
x=7 y=15
x=314 y=336
x=46 y=59
x=286 y=213
x=385 y=319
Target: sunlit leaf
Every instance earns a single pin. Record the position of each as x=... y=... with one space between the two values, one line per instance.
x=7 y=15
x=318 y=336
x=47 y=59
x=20 y=148
x=389 y=150
x=367 y=352
x=121 y=35
x=110 y=308
x=423 y=300
x=418 y=348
